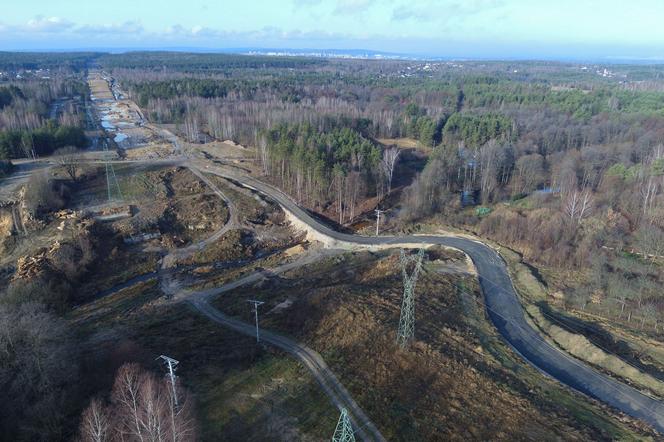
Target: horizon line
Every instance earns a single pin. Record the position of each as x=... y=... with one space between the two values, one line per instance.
x=350 y=53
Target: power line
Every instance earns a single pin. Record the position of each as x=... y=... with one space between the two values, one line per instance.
x=540 y=339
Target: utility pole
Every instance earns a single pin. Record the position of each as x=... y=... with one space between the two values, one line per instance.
x=378 y=212
x=406 y=330
x=256 y=304
x=171 y=364
x=344 y=430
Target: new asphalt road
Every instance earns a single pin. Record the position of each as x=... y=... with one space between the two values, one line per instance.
x=502 y=305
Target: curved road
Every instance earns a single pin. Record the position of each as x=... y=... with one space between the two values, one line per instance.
x=364 y=428
x=502 y=305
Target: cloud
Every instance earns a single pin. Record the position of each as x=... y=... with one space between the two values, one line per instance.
x=306 y=3
x=198 y=31
x=347 y=7
x=44 y=30
x=269 y=35
x=128 y=27
x=203 y=32
x=402 y=13
x=48 y=24
x=443 y=10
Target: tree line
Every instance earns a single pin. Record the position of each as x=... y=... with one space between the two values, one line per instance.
x=599 y=208
x=232 y=104
x=202 y=62
x=30 y=122
x=562 y=160
x=72 y=61
x=339 y=165
x=38 y=142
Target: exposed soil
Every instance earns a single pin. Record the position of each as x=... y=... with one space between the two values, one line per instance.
x=169 y=201
x=454 y=375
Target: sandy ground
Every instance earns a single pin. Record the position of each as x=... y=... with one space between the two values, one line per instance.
x=120 y=118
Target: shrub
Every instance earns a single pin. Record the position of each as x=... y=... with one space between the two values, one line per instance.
x=42 y=195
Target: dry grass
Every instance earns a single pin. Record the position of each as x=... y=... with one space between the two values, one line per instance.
x=241 y=391
x=456 y=373
x=579 y=346
x=99 y=88
x=533 y=291
x=403 y=143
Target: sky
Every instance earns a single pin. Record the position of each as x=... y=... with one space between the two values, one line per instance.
x=541 y=29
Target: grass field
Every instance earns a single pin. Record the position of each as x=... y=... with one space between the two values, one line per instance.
x=99 y=88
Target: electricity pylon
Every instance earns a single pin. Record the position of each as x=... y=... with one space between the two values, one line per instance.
x=344 y=430
x=111 y=180
x=406 y=330
x=171 y=364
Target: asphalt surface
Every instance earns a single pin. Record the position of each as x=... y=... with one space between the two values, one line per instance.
x=503 y=307
x=502 y=303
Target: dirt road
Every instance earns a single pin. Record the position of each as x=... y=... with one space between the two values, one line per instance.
x=502 y=304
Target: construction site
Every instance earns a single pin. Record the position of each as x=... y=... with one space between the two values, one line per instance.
x=279 y=327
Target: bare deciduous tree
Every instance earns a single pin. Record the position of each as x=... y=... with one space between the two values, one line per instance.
x=264 y=154
x=125 y=397
x=36 y=369
x=488 y=159
x=564 y=173
x=650 y=239
x=529 y=171
x=142 y=409
x=648 y=313
x=191 y=127
x=577 y=205
x=67 y=157
x=651 y=180
x=95 y=423
x=388 y=163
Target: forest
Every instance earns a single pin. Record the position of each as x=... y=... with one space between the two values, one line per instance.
x=339 y=165
x=564 y=160
x=202 y=62
x=40 y=115
x=65 y=61
x=557 y=162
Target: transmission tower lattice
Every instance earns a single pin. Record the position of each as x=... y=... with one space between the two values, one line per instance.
x=406 y=330
x=344 y=430
x=112 y=185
